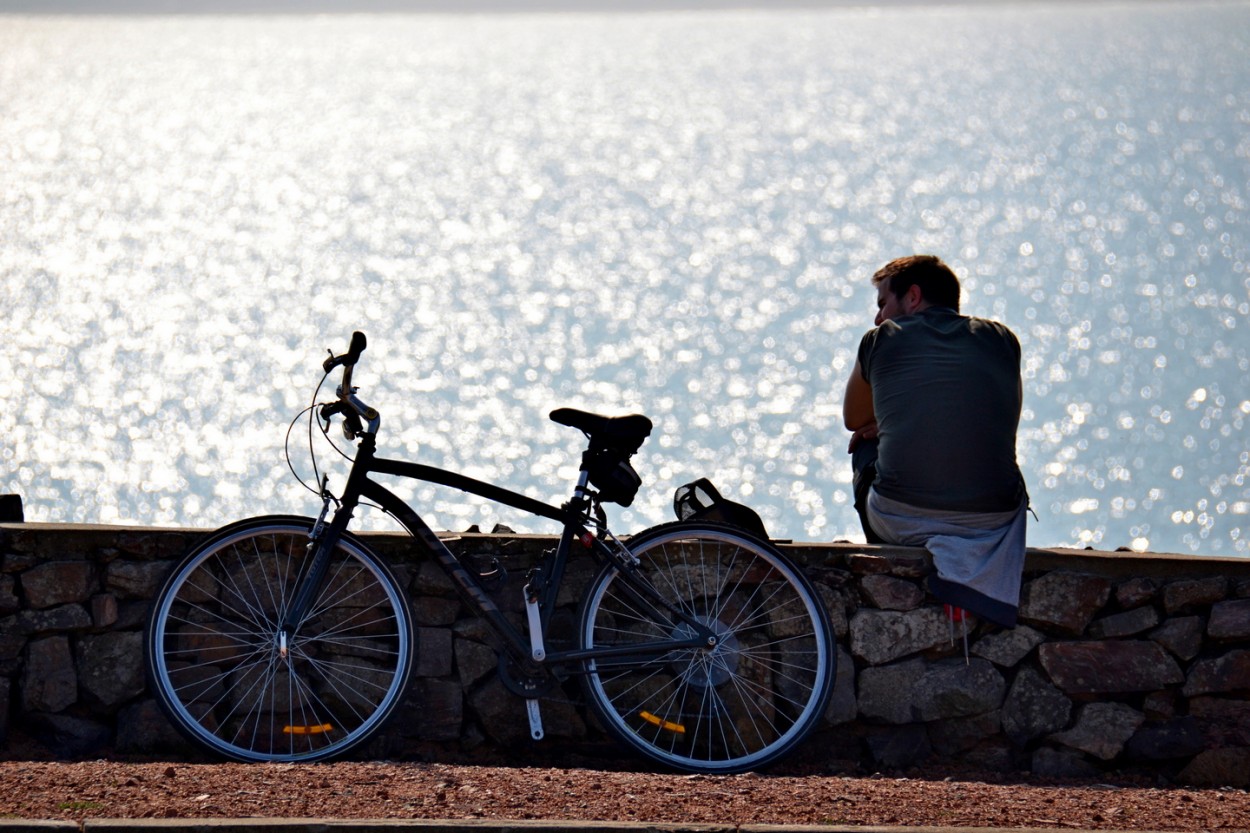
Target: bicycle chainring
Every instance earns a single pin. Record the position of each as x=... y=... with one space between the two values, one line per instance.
x=524 y=684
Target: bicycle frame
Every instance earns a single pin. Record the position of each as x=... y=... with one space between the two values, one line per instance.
x=529 y=653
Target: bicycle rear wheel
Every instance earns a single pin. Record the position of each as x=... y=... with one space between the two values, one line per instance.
x=738 y=705
x=233 y=684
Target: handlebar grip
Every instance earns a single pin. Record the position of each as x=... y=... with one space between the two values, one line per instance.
x=350 y=357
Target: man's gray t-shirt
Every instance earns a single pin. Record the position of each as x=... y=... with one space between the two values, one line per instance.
x=946 y=392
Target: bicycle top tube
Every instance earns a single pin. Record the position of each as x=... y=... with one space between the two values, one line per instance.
x=455 y=480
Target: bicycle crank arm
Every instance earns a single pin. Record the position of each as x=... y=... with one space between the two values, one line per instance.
x=538 y=651
x=536 y=719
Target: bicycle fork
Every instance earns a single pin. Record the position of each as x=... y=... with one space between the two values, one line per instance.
x=320 y=544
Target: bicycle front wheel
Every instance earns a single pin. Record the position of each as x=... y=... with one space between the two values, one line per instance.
x=735 y=705
x=237 y=685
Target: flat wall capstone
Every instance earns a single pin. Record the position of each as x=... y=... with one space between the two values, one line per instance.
x=1121 y=661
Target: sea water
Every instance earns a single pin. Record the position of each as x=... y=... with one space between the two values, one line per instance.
x=674 y=213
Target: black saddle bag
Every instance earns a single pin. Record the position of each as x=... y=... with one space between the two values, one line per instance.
x=612 y=475
x=700 y=501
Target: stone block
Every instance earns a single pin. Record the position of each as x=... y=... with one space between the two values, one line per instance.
x=1128 y=623
x=435 y=711
x=110 y=667
x=1193 y=594
x=68 y=736
x=58 y=583
x=500 y=713
x=862 y=564
x=1102 y=729
x=956 y=736
x=103 y=610
x=435 y=611
x=1219 y=768
x=836 y=604
x=953 y=688
x=1136 y=592
x=49 y=683
x=899 y=747
x=63 y=619
x=1180 y=737
x=1109 y=667
x=992 y=755
x=1007 y=648
x=11 y=641
x=433 y=652
x=1181 y=636
x=432 y=580
x=1061 y=763
x=888 y=593
x=842 y=707
x=476 y=629
x=146 y=546
x=578 y=575
x=135 y=579
x=885 y=692
x=1226 y=722
x=9 y=603
x=5 y=708
x=1224 y=674
x=881 y=636
x=1160 y=705
x=1230 y=620
x=143 y=728
x=1063 y=602
x=132 y=615
x=911 y=566
x=474 y=661
x=1034 y=708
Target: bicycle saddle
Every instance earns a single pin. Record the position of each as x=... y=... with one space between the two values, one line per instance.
x=623 y=432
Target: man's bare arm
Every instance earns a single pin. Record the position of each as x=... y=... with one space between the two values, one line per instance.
x=857 y=412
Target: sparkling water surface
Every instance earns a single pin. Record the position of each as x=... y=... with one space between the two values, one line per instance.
x=675 y=214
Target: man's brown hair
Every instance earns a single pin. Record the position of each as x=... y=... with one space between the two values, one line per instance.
x=938 y=284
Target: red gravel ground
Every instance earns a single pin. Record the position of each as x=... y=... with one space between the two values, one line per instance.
x=114 y=789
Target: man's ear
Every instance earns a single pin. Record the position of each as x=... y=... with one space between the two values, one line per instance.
x=912 y=299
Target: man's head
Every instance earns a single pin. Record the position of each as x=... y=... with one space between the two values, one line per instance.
x=909 y=284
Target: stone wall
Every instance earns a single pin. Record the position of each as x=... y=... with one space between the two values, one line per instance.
x=1121 y=662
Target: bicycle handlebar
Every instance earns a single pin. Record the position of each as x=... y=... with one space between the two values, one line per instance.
x=350 y=357
x=349 y=405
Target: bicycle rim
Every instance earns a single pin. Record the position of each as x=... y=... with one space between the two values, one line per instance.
x=236 y=686
x=739 y=705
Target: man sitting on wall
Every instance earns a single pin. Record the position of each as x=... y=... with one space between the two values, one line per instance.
x=934 y=403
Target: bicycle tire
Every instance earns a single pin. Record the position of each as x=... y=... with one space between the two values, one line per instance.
x=214 y=652
x=741 y=705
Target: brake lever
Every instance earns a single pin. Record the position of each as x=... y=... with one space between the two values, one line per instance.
x=328 y=410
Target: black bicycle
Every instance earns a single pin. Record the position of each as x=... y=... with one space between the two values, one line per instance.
x=284 y=638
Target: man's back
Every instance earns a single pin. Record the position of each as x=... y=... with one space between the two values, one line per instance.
x=946 y=392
